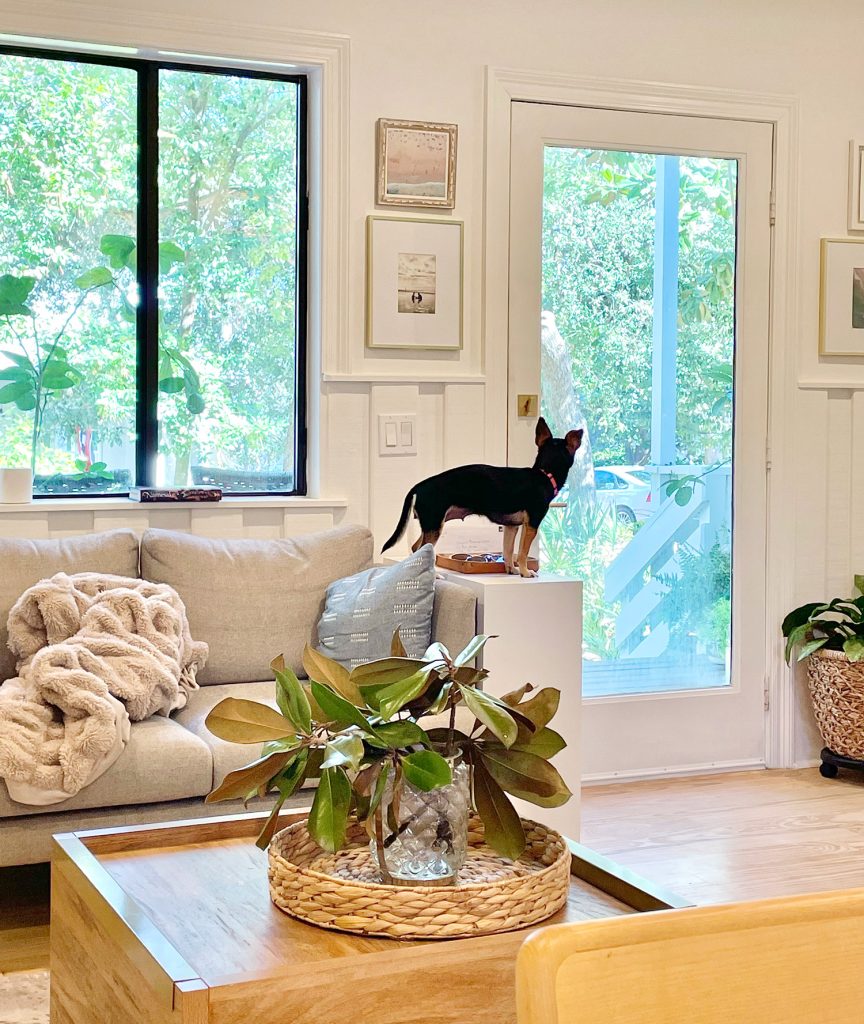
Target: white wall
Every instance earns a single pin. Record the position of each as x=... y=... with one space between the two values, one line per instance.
x=428 y=63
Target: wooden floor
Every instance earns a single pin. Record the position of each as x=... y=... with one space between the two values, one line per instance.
x=713 y=839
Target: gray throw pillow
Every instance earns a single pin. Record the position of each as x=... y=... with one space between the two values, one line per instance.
x=361 y=612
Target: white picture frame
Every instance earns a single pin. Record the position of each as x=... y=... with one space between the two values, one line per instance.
x=855 y=210
x=414 y=272
x=841 y=297
x=416 y=163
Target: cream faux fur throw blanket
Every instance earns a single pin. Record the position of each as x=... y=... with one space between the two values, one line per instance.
x=94 y=652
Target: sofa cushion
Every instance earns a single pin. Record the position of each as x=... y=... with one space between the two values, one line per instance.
x=25 y=562
x=162 y=761
x=253 y=599
x=226 y=756
x=362 y=612
x=454 y=615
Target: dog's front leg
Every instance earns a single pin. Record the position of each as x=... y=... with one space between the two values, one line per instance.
x=509 y=546
x=525 y=541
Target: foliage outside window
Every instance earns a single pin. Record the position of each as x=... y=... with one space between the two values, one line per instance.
x=215 y=364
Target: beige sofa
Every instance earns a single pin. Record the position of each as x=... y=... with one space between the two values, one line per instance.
x=250 y=600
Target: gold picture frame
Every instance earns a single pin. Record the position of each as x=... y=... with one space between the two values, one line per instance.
x=414 y=283
x=416 y=163
x=841 y=297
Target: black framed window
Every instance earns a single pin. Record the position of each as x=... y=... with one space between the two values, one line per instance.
x=153 y=244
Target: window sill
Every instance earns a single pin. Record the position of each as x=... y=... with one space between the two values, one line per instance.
x=127 y=504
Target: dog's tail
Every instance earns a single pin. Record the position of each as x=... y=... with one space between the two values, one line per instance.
x=403 y=520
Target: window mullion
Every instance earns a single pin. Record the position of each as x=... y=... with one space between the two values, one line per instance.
x=147 y=376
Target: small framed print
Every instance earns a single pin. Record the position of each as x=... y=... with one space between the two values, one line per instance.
x=841 y=297
x=856 y=186
x=413 y=283
x=416 y=163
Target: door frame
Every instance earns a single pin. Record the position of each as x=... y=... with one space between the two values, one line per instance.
x=503 y=88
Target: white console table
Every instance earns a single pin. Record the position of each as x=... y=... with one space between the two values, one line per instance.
x=538 y=625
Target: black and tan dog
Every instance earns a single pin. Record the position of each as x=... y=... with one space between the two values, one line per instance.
x=509 y=497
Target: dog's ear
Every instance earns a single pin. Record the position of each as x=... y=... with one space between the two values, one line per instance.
x=573 y=440
x=542 y=433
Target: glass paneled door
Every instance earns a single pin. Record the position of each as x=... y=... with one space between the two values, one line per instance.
x=640 y=266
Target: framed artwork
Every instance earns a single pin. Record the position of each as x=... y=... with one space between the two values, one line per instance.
x=841 y=297
x=416 y=163
x=856 y=186
x=413 y=283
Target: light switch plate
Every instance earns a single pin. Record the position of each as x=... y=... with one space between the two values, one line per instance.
x=397 y=434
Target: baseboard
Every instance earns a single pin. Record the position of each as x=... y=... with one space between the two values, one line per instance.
x=683 y=770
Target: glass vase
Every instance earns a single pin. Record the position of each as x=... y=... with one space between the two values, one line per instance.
x=424 y=840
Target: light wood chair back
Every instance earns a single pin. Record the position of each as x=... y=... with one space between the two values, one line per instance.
x=797 y=960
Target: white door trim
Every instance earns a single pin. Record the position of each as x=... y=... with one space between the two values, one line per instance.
x=506 y=86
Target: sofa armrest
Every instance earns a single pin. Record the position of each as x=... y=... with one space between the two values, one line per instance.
x=454 y=615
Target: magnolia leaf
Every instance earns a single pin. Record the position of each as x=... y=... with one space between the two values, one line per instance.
x=426 y=770
x=854 y=648
x=527 y=776
x=469 y=676
x=365 y=779
x=380 y=784
x=243 y=781
x=436 y=652
x=440 y=703
x=394 y=735
x=386 y=671
x=394 y=697
x=858 y=580
x=344 y=750
x=397 y=648
x=266 y=833
x=98 y=277
x=544 y=743
x=502 y=825
x=336 y=709
x=541 y=708
x=325 y=670
x=514 y=696
x=246 y=721
x=471 y=651
x=292 y=700
x=496 y=718
x=328 y=816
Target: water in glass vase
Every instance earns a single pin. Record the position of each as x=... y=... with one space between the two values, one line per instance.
x=425 y=833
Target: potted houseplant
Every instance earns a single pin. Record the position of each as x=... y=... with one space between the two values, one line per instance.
x=830 y=636
x=359 y=734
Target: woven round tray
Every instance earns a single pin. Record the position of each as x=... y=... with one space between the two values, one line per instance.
x=340 y=891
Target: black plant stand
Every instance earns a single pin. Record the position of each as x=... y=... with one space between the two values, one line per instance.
x=832 y=763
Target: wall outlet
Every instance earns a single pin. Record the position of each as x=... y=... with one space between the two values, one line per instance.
x=397 y=434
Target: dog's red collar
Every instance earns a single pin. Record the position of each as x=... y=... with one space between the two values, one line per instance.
x=552 y=481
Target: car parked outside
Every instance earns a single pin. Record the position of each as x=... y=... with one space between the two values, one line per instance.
x=627 y=490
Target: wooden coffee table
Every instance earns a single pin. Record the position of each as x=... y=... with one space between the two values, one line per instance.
x=173 y=923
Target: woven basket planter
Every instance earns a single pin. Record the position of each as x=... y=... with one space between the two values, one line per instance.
x=837 y=689
x=339 y=891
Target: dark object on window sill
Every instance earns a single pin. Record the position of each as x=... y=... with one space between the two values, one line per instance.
x=235 y=480
x=81 y=483
x=151 y=495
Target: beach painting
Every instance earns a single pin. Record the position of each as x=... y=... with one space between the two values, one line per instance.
x=416 y=282
x=416 y=163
